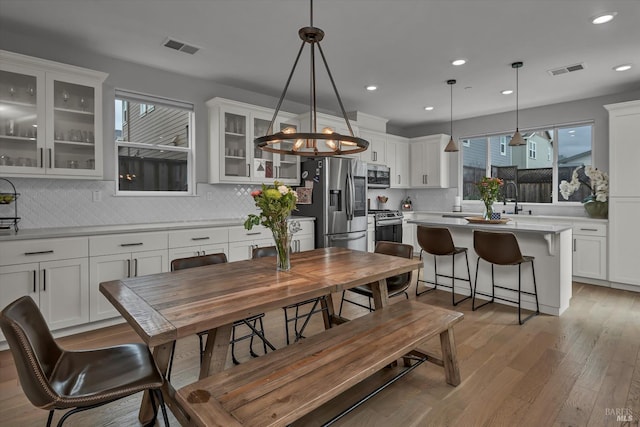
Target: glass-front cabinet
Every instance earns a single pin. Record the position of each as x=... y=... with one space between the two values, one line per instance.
x=234 y=158
x=50 y=118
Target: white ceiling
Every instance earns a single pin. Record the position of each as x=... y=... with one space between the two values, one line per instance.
x=403 y=46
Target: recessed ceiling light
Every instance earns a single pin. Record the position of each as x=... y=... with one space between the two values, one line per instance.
x=603 y=18
x=459 y=62
x=507 y=92
x=428 y=108
x=371 y=88
x=623 y=67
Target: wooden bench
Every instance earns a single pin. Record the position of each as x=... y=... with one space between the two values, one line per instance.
x=282 y=386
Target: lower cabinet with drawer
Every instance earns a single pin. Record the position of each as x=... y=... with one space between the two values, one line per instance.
x=196 y=242
x=303 y=239
x=243 y=241
x=119 y=256
x=53 y=272
x=590 y=250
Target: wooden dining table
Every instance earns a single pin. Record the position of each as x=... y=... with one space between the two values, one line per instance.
x=165 y=307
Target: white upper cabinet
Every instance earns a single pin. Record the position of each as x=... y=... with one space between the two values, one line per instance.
x=377 y=151
x=50 y=118
x=429 y=164
x=398 y=161
x=233 y=157
x=624 y=149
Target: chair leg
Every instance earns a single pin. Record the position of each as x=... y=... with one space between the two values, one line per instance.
x=342 y=299
x=152 y=393
x=173 y=352
x=418 y=280
x=535 y=292
x=233 y=345
x=163 y=407
x=50 y=418
x=475 y=289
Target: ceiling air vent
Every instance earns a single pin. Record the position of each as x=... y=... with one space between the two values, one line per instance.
x=567 y=69
x=181 y=46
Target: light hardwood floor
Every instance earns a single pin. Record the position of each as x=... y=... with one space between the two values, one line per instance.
x=576 y=370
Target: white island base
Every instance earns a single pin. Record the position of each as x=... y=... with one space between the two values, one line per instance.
x=551 y=245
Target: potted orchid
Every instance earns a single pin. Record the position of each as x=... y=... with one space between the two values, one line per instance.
x=275 y=202
x=597 y=202
x=489 y=189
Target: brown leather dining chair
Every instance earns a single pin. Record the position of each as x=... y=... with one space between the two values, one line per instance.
x=57 y=379
x=300 y=317
x=396 y=285
x=254 y=323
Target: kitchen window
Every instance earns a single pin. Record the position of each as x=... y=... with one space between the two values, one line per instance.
x=154 y=152
x=536 y=178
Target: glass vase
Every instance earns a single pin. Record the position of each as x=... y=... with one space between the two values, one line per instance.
x=488 y=210
x=282 y=240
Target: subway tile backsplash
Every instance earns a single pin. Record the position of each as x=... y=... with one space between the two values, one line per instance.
x=45 y=203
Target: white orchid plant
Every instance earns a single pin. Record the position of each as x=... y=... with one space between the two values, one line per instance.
x=598 y=183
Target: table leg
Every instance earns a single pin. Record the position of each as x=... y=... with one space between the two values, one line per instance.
x=327 y=310
x=380 y=294
x=450 y=357
x=162 y=356
x=215 y=353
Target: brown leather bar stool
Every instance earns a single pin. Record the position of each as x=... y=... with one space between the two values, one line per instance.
x=300 y=317
x=437 y=241
x=502 y=249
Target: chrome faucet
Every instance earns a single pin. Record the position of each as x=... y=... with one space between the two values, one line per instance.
x=516 y=209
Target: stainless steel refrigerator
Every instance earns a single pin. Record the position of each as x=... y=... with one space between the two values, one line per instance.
x=338 y=201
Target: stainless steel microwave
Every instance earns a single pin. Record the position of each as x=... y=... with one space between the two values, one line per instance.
x=378 y=176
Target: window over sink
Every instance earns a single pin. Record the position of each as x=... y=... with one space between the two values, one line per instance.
x=535 y=176
x=154 y=149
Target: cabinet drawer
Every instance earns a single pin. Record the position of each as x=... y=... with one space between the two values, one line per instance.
x=590 y=229
x=121 y=243
x=200 y=236
x=240 y=234
x=306 y=227
x=23 y=251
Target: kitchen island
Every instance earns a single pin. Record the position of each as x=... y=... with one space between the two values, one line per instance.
x=550 y=244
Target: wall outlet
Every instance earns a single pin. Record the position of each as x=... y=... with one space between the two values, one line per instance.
x=97 y=196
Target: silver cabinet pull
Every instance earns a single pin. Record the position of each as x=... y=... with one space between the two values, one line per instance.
x=399 y=179
x=50 y=163
x=574 y=245
x=44 y=280
x=41 y=158
x=135 y=267
x=588 y=229
x=253 y=234
x=35 y=279
x=128 y=268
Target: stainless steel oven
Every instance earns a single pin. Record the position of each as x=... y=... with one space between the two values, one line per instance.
x=388 y=225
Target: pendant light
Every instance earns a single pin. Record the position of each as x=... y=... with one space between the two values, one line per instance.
x=451 y=147
x=517 y=139
x=312 y=143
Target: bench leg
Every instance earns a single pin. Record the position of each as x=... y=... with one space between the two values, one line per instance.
x=450 y=357
x=215 y=353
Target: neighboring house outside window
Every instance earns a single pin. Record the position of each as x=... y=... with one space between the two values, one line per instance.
x=532 y=149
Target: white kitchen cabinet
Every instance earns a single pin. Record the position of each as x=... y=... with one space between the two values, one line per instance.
x=590 y=250
x=53 y=272
x=398 y=161
x=233 y=157
x=429 y=164
x=50 y=118
x=371 y=233
x=409 y=232
x=199 y=241
x=243 y=241
x=377 y=152
x=303 y=239
x=624 y=193
x=118 y=256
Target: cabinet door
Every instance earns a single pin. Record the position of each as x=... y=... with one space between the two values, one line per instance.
x=74 y=126
x=624 y=150
x=149 y=262
x=22 y=111
x=589 y=256
x=233 y=145
x=287 y=166
x=398 y=162
x=429 y=166
x=303 y=243
x=64 y=292
x=102 y=269
x=17 y=281
x=418 y=167
x=623 y=242
x=409 y=235
x=376 y=153
x=239 y=251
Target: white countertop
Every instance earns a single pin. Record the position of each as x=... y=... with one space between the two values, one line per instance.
x=518 y=218
x=511 y=226
x=49 y=233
